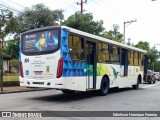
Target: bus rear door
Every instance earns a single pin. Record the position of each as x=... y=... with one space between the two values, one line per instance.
x=91 y=67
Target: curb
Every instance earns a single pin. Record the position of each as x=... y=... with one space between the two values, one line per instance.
x=19 y=91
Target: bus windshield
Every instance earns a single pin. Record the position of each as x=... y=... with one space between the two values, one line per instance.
x=40 y=42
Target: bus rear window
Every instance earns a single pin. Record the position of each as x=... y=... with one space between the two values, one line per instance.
x=40 y=42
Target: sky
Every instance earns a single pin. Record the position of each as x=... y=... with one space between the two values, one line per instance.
x=146 y=12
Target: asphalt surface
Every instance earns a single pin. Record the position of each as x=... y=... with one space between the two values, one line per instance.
x=146 y=98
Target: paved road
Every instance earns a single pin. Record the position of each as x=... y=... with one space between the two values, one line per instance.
x=146 y=98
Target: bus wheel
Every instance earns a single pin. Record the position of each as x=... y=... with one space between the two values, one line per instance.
x=136 y=85
x=104 y=86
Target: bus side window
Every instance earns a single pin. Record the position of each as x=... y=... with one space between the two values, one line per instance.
x=141 y=57
x=130 y=57
x=76 y=47
x=114 y=54
x=135 y=58
x=103 y=54
x=70 y=41
x=73 y=53
x=100 y=52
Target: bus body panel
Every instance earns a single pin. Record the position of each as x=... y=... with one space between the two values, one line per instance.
x=69 y=83
x=40 y=67
x=75 y=83
x=115 y=74
x=41 y=70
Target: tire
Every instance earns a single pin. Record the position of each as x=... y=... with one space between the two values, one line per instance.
x=136 y=86
x=104 y=88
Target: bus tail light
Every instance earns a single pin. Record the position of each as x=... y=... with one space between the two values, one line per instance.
x=60 y=68
x=21 y=69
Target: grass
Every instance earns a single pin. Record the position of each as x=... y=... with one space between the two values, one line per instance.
x=11 y=78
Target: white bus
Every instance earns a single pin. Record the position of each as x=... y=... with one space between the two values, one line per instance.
x=67 y=59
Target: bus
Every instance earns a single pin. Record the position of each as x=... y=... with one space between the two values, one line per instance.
x=70 y=60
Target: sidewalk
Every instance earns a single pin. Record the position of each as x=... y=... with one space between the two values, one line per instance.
x=15 y=89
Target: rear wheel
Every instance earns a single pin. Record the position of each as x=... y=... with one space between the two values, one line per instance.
x=104 y=88
x=136 y=86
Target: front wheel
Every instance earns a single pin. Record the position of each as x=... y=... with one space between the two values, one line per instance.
x=104 y=88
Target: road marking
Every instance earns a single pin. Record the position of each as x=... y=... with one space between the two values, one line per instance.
x=151 y=85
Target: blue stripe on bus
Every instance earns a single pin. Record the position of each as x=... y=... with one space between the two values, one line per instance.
x=70 y=68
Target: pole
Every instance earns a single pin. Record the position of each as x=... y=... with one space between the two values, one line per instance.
x=1 y=56
x=81 y=6
x=154 y=49
x=1 y=77
x=2 y=20
x=125 y=27
x=124 y=34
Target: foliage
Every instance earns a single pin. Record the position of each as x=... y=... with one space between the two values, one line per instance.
x=14 y=63
x=113 y=34
x=84 y=22
x=38 y=16
x=143 y=45
x=152 y=53
x=157 y=66
x=6 y=17
x=12 y=48
x=2 y=50
x=11 y=78
x=10 y=25
x=129 y=42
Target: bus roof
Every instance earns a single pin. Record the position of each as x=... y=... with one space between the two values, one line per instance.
x=95 y=37
x=102 y=39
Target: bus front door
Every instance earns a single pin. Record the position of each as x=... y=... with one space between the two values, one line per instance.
x=91 y=64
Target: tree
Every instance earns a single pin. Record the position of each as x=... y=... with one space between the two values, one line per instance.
x=35 y=17
x=12 y=48
x=14 y=63
x=6 y=17
x=113 y=34
x=84 y=22
x=152 y=52
x=1 y=51
x=129 y=42
x=157 y=66
x=38 y=16
x=143 y=45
